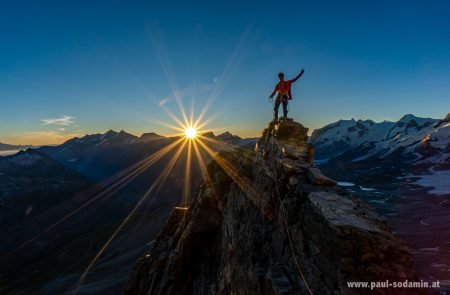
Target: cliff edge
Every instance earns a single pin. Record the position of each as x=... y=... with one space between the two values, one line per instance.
x=268 y=222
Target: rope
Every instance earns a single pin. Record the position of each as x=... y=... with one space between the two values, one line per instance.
x=289 y=236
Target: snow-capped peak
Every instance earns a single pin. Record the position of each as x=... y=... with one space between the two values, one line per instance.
x=344 y=135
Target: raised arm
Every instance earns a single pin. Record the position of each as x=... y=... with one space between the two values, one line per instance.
x=298 y=76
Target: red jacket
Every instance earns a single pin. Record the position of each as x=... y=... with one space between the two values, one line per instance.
x=284 y=87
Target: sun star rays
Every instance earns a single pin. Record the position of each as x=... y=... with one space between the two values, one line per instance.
x=191 y=143
x=189 y=129
x=188 y=146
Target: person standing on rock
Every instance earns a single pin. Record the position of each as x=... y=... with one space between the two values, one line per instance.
x=284 y=94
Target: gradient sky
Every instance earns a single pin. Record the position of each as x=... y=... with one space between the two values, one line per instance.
x=74 y=67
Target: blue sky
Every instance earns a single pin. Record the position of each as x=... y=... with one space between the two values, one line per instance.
x=69 y=68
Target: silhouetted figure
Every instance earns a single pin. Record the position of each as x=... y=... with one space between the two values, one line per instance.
x=284 y=94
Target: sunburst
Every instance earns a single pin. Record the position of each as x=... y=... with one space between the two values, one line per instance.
x=189 y=142
x=189 y=130
x=190 y=133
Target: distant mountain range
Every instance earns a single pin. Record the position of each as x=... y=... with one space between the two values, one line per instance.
x=10 y=147
x=418 y=141
x=98 y=156
x=387 y=155
x=42 y=185
x=226 y=137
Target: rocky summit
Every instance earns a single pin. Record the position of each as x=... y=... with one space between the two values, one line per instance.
x=267 y=221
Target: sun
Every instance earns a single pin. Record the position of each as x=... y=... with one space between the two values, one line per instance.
x=190 y=133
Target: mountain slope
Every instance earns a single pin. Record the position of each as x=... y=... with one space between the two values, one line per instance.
x=41 y=187
x=34 y=260
x=344 y=135
x=262 y=220
x=35 y=190
x=411 y=145
x=30 y=182
x=51 y=231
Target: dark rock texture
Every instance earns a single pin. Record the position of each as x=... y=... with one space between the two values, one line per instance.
x=267 y=222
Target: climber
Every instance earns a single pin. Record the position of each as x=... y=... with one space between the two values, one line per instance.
x=284 y=94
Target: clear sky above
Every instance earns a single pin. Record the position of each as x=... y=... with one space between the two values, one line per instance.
x=74 y=67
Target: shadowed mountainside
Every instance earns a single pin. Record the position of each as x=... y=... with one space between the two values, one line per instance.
x=60 y=204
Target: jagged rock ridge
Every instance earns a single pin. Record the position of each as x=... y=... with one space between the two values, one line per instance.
x=262 y=219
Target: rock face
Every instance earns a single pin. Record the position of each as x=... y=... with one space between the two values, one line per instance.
x=268 y=222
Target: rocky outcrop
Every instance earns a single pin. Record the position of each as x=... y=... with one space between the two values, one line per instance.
x=443 y=121
x=269 y=222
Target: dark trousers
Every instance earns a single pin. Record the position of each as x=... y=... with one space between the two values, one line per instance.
x=280 y=100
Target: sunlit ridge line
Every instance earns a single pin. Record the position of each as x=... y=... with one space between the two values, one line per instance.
x=161 y=178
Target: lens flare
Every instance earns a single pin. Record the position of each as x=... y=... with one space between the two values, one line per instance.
x=190 y=142
x=190 y=133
